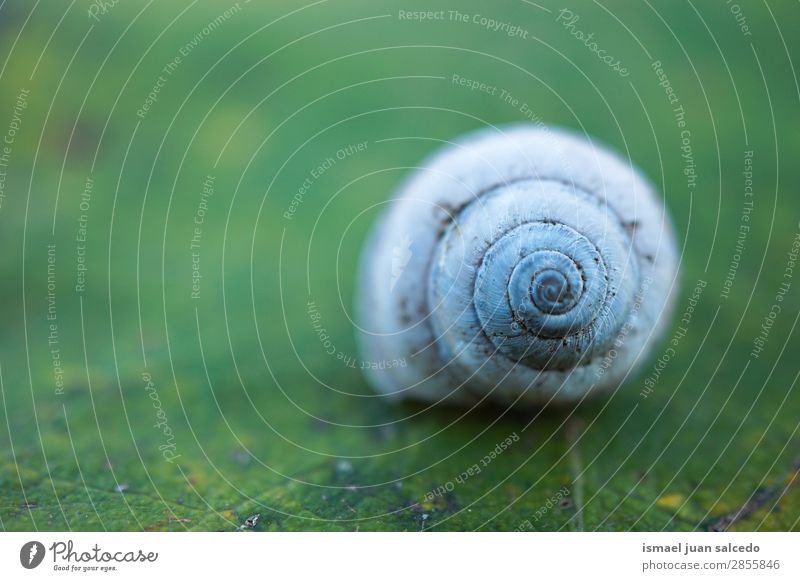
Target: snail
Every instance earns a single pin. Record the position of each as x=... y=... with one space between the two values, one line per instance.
x=519 y=264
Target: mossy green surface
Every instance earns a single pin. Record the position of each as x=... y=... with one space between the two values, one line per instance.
x=256 y=416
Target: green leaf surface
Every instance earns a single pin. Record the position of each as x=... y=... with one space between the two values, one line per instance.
x=133 y=400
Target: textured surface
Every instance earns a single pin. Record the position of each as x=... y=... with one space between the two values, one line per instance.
x=706 y=438
x=487 y=210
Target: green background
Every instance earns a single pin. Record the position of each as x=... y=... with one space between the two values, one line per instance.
x=262 y=419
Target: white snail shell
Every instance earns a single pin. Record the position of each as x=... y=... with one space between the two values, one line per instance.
x=519 y=264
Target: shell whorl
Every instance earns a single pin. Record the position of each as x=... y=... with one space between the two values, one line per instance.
x=519 y=264
x=540 y=269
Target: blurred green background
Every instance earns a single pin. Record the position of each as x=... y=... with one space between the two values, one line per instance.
x=255 y=416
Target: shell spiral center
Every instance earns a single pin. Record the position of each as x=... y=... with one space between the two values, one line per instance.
x=553 y=281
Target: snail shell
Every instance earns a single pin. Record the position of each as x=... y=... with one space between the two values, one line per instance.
x=519 y=264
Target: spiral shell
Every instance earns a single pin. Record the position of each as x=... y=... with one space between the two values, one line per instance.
x=519 y=264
